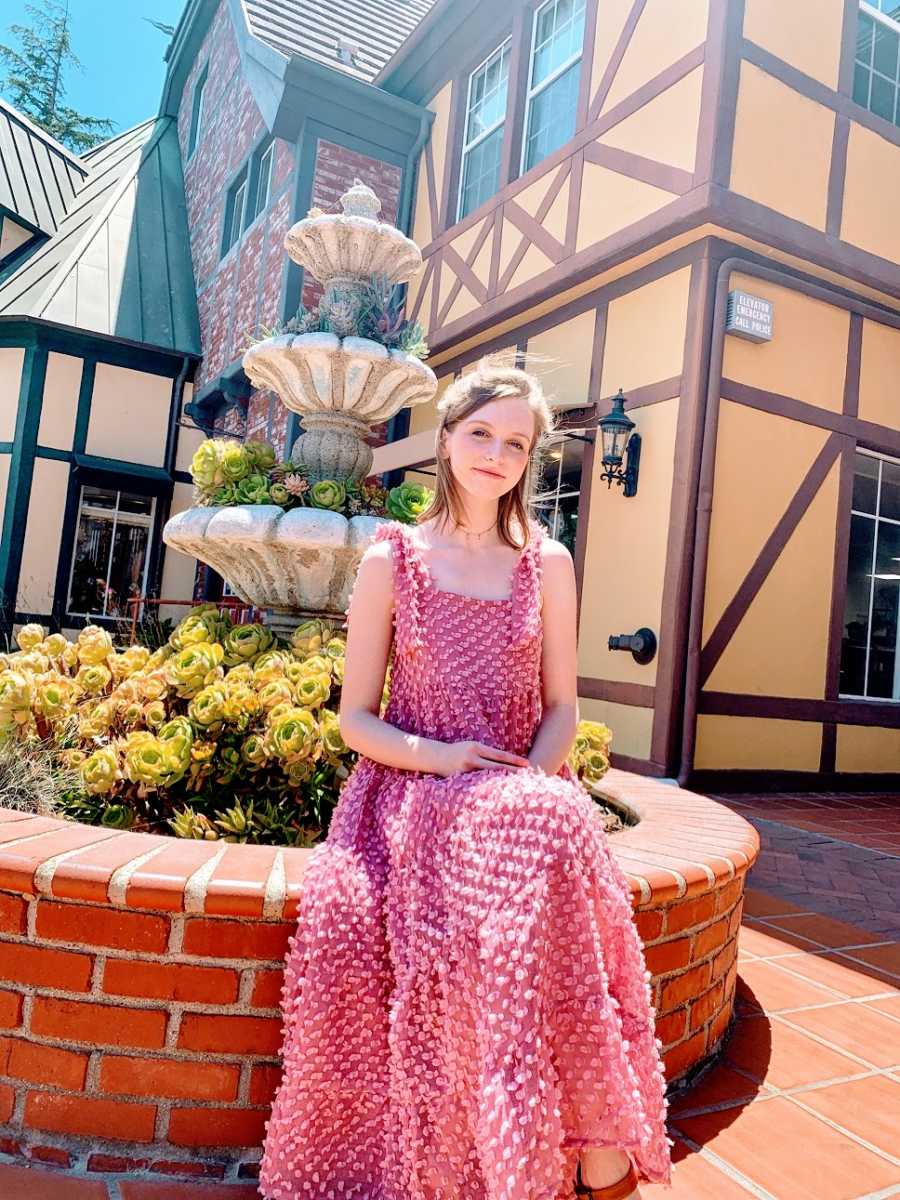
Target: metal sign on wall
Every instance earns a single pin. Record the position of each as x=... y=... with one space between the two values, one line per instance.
x=749 y=316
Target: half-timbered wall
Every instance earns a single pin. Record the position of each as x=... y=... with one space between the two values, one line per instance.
x=791 y=414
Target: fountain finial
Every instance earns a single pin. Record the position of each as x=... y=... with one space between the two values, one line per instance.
x=360 y=201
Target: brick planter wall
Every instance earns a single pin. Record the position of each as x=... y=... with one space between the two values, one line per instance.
x=140 y=979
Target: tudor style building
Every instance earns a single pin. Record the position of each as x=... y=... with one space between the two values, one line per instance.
x=590 y=183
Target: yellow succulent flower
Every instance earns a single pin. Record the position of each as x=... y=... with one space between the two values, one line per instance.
x=100 y=771
x=94 y=645
x=30 y=635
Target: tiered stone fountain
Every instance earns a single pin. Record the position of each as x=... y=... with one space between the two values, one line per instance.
x=302 y=562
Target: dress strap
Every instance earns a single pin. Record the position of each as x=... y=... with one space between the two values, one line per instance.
x=409 y=581
x=527 y=589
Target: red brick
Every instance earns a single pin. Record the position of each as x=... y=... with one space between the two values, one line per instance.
x=51 y=1154
x=734 y=921
x=728 y=895
x=210 y=938
x=267 y=989
x=154 y=1189
x=672 y=1027
x=170 y=981
x=713 y=937
x=7 y=1102
x=684 y=987
x=649 y=924
x=684 y=1055
x=25 y=1182
x=10 y=1010
x=13 y=913
x=196 y=1170
x=45 y=967
x=89 y=1117
x=116 y=1163
x=230 y=1035
x=43 y=1064
x=175 y=1079
x=723 y=960
x=668 y=956
x=706 y=1005
x=94 y=925
x=99 y=1024
x=264 y=1081
x=688 y=913
x=217 y=1126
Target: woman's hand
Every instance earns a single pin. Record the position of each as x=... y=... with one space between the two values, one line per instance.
x=476 y=756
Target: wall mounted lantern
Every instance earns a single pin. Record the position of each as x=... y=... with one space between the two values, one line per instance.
x=618 y=438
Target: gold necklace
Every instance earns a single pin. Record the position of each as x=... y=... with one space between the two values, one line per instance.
x=469 y=533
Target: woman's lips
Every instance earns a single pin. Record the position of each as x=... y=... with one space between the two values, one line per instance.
x=493 y=474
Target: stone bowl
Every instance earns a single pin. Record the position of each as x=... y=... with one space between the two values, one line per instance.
x=339 y=245
x=300 y=560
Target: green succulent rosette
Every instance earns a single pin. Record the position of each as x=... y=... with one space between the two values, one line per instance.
x=94 y=678
x=94 y=645
x=118 y=816
x=244 y=643
x=16 y=698
x=330 y=733
x=207 y=708
x=253 y=750
x=278 y=494
x=328 y=494
x=100 y=771
x=206 y=465
x=276 y=691
x=202 y=624
x=30 y=636
x=407 y=500
x=254 y=489
x=261 y=454
x=192 y=669
x=53 y=697
x=313 y=690
x=224 y=495
x=308 y=636
x=235 y=463
x=292 y=735
x=241 y=705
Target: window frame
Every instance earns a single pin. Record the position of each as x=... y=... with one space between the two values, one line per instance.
x=239 y=186
x=196 y=125
x=146 y=521
x=532 y=92
x=892 y=23
x=467 y=147
x=876 y=518
x=267 y=151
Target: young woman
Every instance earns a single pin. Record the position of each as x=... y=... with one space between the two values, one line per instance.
x=467 y=1013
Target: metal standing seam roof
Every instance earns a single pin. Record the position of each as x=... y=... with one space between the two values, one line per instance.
x=374 y=29
x=119 y=264
x=38 y=176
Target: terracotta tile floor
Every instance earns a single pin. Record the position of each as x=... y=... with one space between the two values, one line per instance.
x=804 y=1103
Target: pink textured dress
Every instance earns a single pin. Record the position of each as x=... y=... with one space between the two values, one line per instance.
x=465 y=1002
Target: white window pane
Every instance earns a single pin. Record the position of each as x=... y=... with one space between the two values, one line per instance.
x=558 y=36
x=551 y=117
x=487 y=95
x=481 y=172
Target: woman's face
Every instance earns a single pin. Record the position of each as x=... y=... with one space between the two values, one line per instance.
x=488 y=450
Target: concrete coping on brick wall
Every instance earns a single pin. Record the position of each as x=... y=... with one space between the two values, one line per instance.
x=141 y=978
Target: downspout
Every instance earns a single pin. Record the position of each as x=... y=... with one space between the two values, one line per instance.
x=703 y=516
x=404 y=213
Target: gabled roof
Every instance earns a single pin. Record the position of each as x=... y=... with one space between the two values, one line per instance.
x=38 y=176
x=354 y=36
x=119 y=263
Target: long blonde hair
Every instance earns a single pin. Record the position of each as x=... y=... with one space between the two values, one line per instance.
x=492 y=379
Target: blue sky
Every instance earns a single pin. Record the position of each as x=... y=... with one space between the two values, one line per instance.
x=121 y=53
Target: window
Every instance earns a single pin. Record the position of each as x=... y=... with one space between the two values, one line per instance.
x=559 y=488
x=870 y=655
x=235 y=211
x=197 y=111
x=554 y=75
x=111 y=556
x=483 y=136
x=264 y=178
x=876 y=71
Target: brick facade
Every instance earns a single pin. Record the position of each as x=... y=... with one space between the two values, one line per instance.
x=242 y=290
